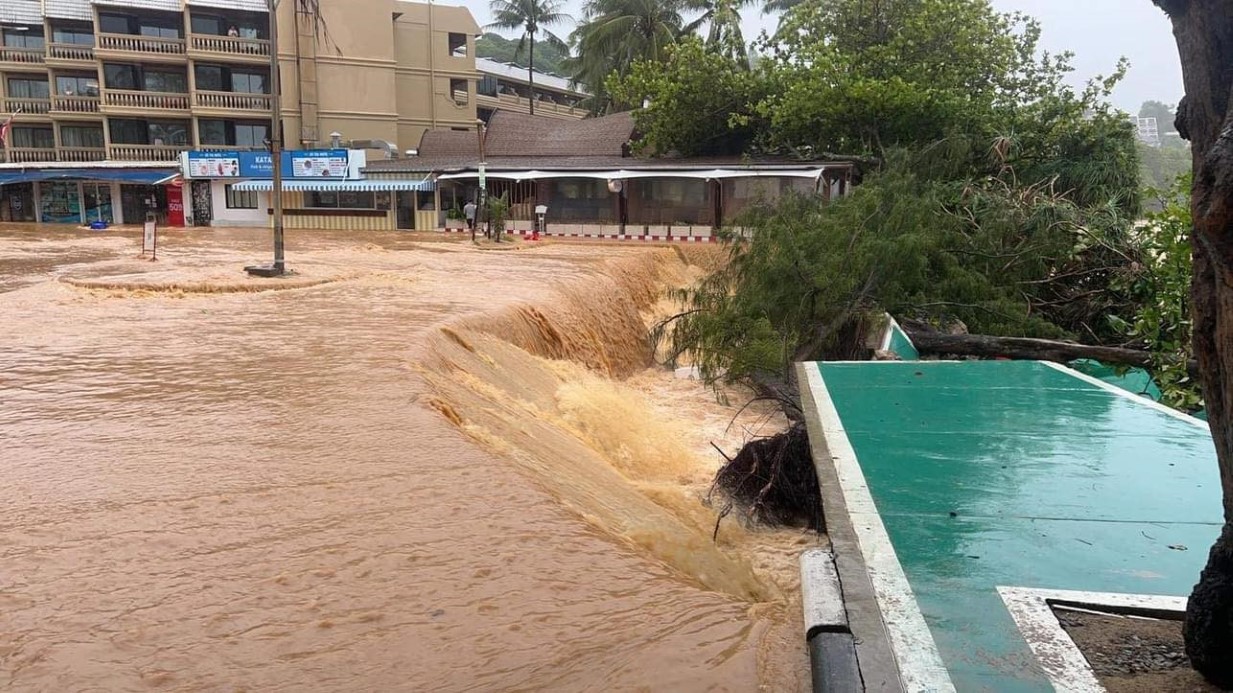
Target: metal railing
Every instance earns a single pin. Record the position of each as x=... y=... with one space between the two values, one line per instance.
x=26 y=106
x=144 y=152
x=521 y=103
x=25 y=56
x=24 y=155
x=233 y=101
x=82 y=153
x=74 y=104
x=231 y=45
x=141 y=44
x=145 y=100
x=70 y=51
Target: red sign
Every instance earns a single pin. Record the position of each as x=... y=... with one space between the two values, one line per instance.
x=175 y=206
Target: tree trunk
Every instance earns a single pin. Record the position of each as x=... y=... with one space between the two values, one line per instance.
x=939 y=343
x=1204 y=33
x=531 y=74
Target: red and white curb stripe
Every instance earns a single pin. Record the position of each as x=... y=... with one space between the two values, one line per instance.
x=608 y=237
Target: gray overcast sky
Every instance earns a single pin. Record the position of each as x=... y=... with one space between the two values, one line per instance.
x=1097 y=31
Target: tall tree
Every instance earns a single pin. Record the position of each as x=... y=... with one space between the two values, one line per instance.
x=532 y=17
x=615 y=34
x=723 y=20
x=1204 y=33
x=1162 y=112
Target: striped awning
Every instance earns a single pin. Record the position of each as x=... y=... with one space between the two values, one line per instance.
x=336 y=185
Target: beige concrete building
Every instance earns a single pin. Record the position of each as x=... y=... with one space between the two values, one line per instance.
x=143 y=80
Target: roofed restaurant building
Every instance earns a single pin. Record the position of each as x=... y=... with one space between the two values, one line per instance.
x=584 y=172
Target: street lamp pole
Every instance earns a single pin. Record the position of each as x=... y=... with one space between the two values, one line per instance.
x=276 y=152
x=483 y=179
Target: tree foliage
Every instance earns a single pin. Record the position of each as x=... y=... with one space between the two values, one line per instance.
x=1160 y=289
x=697 y=101
x=1003 y=199
x=616 y=34
x=496 y=47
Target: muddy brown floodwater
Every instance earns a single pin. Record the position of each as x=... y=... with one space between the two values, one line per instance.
x=429 y=468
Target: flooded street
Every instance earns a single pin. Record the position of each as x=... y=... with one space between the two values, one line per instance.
x=437 y=468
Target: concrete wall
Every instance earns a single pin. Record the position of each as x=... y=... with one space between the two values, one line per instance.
x=237 y=217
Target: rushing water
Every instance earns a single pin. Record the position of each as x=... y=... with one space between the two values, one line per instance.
x=379 y=483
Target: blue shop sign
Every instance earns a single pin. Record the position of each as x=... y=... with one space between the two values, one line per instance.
x=322 y=163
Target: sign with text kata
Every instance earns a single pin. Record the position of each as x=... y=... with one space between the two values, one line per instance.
x=322 y=163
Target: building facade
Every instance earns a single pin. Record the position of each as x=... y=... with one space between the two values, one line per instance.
x=104 y=82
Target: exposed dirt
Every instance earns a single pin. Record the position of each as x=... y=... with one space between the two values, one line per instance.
x=1134 y=655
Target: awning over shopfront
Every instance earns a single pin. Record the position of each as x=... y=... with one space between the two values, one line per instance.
x=337 y=185
x=623 y=174
x=135 y=176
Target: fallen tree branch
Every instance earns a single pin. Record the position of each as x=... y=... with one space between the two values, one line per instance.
x=939 y=343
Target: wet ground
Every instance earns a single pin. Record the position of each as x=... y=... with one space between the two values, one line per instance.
x=374 y=483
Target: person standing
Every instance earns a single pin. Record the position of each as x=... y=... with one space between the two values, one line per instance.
x=468 y=211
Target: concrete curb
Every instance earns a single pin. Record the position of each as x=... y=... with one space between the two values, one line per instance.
x=832 y=648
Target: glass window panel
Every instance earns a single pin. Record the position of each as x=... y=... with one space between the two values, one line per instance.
x=120 y=76
x=208 y=25
x=168 y=133
x=210 y=77
x=38 y=138
x=212 y=131
x=114 y=24
x=251 y=134
x=81 y=136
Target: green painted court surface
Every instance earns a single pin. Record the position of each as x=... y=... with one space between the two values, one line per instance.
x=1013 y=473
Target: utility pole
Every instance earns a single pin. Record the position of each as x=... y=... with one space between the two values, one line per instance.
x=483 y=180
x=276 y=152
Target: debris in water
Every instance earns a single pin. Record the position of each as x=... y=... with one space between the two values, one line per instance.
x=772 y=481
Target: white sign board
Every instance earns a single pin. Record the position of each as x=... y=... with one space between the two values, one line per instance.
x=222 y=167
x=319 y=166
x=147 y=239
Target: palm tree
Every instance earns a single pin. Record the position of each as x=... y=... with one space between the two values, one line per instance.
x=615 y=35
x=531 y=16
x=772 y=6
x=724 y=19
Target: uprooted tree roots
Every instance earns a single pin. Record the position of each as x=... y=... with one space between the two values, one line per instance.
x=772 y=481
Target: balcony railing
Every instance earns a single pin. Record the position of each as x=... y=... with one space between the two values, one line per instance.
x=145 y=100
x=521 y=103
x=82 y=154
x=148 y=45
x=70 y=51
x=25 y=155
x=230 y=45
x=74 y=104
x=26 y=106
x=145 y=152
x=233 y=101
x=24 y=56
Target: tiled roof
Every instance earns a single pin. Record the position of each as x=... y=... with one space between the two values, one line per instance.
x=519 y=134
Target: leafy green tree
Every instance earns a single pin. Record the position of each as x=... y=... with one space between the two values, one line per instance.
x=697 y=102
x=1160 y=287
x=532 y=17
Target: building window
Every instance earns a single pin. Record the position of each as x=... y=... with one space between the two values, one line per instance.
x=114 y=23
x=233 y=133
x=135 y=77
x=459 y=91
x=249 y=83
x=156 y=132
x=87 y=136
x=487 y=86
x=340 y=200
x=30 y=37
x=72 y=85
x=250 y=26
x=164 y=81
x=77 y=35
x=458 y=45
x=117 y=76
x=220 y=78
x=34 y=138
x=240 y=199
x=160 y=28
x=23 y=88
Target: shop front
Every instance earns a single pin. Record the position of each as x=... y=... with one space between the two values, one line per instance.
x=83 y=195
x=322 y=189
